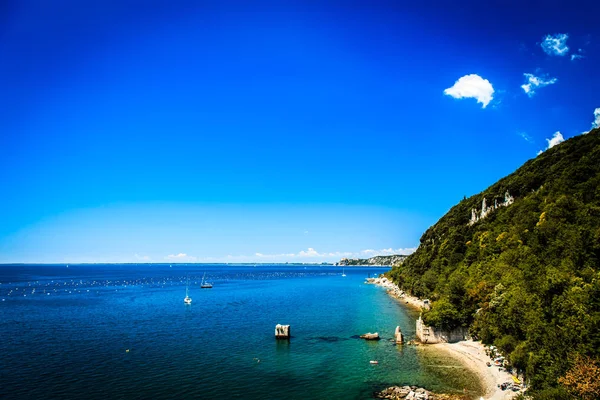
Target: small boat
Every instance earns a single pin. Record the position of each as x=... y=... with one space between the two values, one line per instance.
x=187 y=299
x=374 y=362
x=204 y=284
x=343 y=272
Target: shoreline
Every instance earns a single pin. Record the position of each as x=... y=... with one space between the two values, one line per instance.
x=471 y=354
x=394 y=291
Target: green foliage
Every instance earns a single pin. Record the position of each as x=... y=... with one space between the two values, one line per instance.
x=443 y=314
x=527 y=276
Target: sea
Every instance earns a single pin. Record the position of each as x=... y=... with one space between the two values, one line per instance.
x=115 y=331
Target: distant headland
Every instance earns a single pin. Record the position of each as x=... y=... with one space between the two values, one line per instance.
x=377 y=261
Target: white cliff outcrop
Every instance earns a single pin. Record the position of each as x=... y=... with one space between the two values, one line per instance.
x=485 y=210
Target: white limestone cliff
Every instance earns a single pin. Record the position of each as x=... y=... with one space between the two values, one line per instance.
x=485 y=210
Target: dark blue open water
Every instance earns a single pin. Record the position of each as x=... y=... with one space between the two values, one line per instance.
x=123 y=331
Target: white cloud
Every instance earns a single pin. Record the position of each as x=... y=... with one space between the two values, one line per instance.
x=596 y=123
x=525 y=136
x=535 y=82
x=313 y=255
x=180 y=257
x=556 y=45
x=556 y=139
x=388 y=252
x=142 y=258
x=577 y=56
x=309 y=253
x=472 y=86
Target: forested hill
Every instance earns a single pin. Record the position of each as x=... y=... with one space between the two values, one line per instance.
x=523 y=274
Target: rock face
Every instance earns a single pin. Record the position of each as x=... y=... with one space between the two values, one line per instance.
x=398 y=336
x=428 y=335
x=485 y=210
x=370 y=336
x=282 y=331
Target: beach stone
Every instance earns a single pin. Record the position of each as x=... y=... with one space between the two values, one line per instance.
x=409 y=393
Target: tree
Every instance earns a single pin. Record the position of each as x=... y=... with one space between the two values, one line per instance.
x=583 y=379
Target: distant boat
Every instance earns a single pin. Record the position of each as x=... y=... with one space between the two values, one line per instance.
x=204 y=284
x=187 y=299
x=343 y=272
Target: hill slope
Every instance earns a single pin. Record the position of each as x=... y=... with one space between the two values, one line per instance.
x=522 y=269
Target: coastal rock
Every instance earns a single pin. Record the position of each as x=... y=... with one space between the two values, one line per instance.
x=370 y=336
x=429 y=335
x=282 y=331
x=398 y=336
x=406 y=393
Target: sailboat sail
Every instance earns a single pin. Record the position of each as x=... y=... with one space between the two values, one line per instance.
x=187 y=299
x=204 y=284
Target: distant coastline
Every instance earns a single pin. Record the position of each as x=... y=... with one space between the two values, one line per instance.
x=376 y=261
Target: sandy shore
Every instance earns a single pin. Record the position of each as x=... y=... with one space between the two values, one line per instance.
x=472 y=355
x=394 y=291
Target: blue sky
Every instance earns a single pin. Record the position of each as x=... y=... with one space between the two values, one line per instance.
x=174 y=131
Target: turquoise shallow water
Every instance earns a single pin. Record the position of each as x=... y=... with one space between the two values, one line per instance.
x=66 y=331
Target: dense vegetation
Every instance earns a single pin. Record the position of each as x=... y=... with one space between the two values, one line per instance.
x=527 y=277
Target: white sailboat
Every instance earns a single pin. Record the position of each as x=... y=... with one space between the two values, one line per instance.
x=187 y=299
x=204 y=284
x=343 y=272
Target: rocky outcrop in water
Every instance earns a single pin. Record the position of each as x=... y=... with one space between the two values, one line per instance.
x=398 y=335
x=370 y=336
x=282 y=331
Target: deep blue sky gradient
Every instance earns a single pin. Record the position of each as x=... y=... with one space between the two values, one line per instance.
x=159 y=128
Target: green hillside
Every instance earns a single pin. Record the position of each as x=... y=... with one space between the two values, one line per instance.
x=526 y=277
